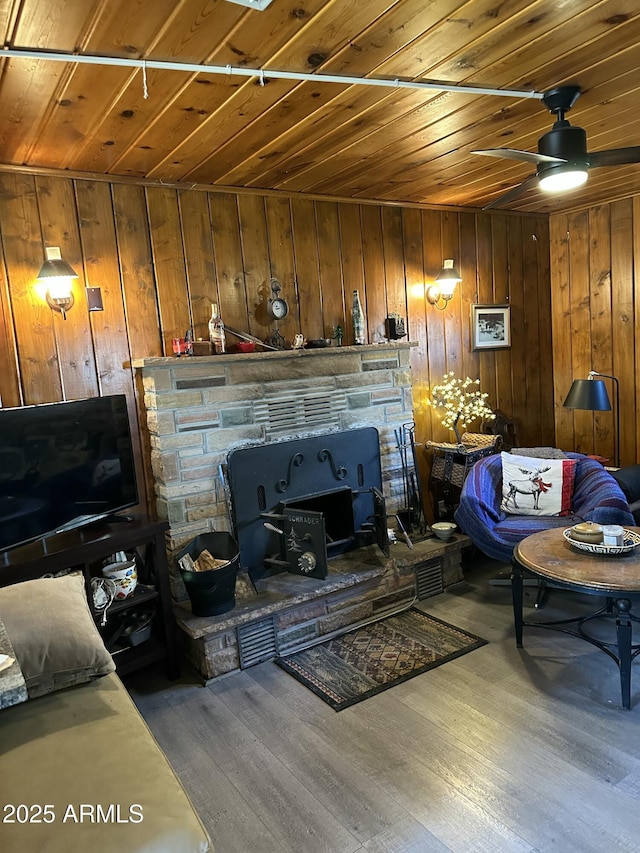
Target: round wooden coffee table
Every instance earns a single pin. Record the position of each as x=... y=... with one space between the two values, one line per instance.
x=549 y=557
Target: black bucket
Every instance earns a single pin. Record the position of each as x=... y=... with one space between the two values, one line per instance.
x=212 y=592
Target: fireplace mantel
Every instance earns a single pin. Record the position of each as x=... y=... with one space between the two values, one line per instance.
x=268 y=355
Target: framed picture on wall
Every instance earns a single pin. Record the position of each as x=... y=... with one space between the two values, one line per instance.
x=490 y=327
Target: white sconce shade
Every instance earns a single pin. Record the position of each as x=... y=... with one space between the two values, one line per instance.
x=439 y=294
x=58 y=276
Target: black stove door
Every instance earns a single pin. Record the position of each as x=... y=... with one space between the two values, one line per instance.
x=380 y=521
x=305 y=542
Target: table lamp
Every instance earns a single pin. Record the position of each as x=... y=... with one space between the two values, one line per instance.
x=591 y=394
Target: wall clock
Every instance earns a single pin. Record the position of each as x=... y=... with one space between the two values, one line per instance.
x=277 y=307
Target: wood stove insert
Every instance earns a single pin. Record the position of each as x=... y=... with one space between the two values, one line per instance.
x=295 y=504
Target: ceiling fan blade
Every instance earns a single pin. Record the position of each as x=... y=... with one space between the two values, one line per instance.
x=513 y=194
x=515 y=154
x=614 y=156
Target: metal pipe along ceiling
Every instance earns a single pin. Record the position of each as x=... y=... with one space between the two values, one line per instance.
x=261 y=73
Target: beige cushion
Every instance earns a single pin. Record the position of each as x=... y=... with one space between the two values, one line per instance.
x=532 y=486
x=540 y=452
x=89 y=745
x=54 y=637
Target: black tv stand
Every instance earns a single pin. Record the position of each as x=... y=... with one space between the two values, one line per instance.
x=86 y=548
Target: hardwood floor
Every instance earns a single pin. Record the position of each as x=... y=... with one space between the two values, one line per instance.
x=500 y=750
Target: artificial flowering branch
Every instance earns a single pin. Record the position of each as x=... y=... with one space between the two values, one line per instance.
x=461 y=401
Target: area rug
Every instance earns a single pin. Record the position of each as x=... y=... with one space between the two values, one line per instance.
x=368 y=660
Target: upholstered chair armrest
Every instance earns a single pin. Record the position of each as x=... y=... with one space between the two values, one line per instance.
x=597 y=496
x=481 y=495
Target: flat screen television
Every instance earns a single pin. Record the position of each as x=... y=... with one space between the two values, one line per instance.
x=63 y=465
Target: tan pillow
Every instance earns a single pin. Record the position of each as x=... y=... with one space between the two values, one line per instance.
x=54 y=637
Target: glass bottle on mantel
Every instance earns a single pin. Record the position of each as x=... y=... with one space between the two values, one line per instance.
x=188 y=342
x=358 y=320
x=216 y=331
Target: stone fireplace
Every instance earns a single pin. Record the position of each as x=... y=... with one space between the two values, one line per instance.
x=202 y=411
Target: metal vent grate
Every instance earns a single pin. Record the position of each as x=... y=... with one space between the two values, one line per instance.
x=306 y=409
x=429 y=579
x=256 y=642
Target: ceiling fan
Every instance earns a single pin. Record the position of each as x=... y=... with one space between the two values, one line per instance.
x=562 y=160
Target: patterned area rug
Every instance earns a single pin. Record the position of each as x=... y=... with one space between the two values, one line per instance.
x=368 y=660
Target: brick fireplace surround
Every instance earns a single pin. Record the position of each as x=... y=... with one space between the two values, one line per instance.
x=198 y=409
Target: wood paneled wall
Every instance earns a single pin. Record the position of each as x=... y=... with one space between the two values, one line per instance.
x=161 y=255
x=595 y=259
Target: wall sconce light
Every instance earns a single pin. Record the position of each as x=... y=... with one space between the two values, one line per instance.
x=440 y=293
x=58 y=276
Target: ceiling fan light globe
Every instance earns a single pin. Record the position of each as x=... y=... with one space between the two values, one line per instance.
x=563 y=179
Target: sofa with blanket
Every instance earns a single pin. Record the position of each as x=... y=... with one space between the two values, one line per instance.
x=496 y=526
x=79 y=769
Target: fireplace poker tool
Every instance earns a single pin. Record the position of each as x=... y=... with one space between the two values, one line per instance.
x=403 y=462
x=413 y=510
x=250 y=338
x=403 y=531
x=417 y=504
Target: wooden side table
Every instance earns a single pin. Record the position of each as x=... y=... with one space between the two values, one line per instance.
x=450 y=465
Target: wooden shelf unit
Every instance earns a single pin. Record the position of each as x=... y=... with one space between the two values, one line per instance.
x=85 y=549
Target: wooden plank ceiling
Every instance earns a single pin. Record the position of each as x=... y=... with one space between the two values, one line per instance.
x=356 y=141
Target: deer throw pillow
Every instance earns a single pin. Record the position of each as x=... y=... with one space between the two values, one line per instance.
x=533 y=486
